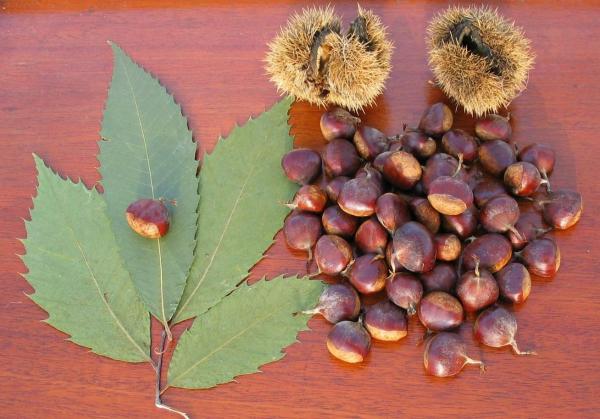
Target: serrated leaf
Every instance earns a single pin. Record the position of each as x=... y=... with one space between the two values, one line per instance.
x=244 y=331
x=242 y=188
x=148 y=152
x=77 y=272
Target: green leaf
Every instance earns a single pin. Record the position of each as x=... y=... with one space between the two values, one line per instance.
x=77 y=272
x=242 y=187
x=148 y=152
x=244 y=331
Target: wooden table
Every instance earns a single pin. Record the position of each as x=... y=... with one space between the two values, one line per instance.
x=55 y=68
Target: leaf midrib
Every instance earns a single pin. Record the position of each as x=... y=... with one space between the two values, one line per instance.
x=137 y=112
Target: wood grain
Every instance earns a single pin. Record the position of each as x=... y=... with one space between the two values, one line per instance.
x=55 y=68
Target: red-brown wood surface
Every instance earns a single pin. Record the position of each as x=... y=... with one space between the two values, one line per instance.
x=55 y=68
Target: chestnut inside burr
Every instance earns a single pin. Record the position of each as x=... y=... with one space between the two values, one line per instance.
x=467 y=35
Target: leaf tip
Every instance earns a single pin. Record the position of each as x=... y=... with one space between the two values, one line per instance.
x=36 y=158
x=117 y=50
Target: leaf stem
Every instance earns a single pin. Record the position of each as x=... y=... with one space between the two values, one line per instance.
x=157 y=401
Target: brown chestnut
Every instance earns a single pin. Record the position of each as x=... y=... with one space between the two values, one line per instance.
x=425 y=214
x=450 y=196
x=413 y=246
x=338 y=123
x=332 y=254
x=402 y=170
x=148 y=217
x=301 y=165
x=446 y=355
x=386 y=322
x=404 y=290
x=440 y=311
x=493 y=127
x=514 y=282
x=349 y=342
x=391 y=211
x=371 y=237
x=495 y=156
x=370 y=142
x=436 y=120
x=448 y=247
x=368 y=273
x=492 y=252
x=340 y=158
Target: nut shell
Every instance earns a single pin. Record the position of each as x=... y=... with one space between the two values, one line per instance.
x=514 y=282
x=385 y=321
x=402 y=170
x=349 y=342
x=368 y=273
x=440 y=311
x=492 y=252
x=450 y=196
x=404 y=290
x=332 y=254
x=148 y=217
x=301 y=165
x=414 y=248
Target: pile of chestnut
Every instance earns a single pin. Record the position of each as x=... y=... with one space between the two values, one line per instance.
x=443 y=221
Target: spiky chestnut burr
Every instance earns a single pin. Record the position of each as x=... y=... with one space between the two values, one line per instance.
x=313 y=60
x=478 y=58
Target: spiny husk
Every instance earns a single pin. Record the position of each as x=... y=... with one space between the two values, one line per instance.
x=468 y=78
x=356 y=71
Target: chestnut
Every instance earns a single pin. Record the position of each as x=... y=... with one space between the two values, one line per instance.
x=148 y=217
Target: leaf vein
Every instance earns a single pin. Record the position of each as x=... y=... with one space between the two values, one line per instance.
x=137 y=110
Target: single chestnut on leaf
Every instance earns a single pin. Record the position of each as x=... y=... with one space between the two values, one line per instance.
x=148 y=217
